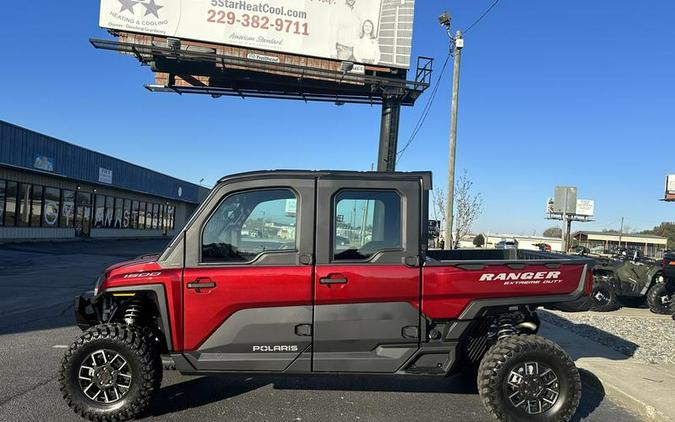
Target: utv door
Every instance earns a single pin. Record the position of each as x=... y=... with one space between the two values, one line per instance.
x=247 y=284
x=367 y=277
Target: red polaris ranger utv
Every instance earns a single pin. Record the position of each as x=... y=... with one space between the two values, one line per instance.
x=298 y=272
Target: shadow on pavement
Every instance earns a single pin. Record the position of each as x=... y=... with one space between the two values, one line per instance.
x=592 y=395
x=202 y=391
x=624 y=348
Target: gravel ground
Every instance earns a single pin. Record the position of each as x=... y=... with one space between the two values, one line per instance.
x=646 y=338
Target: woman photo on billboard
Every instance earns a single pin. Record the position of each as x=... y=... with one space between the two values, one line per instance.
x=368 y=48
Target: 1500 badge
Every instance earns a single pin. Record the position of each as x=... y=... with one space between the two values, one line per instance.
x=143 y=275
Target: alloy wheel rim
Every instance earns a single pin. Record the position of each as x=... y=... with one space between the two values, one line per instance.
x=105 y=376
x=533 y=387
x=601 y=297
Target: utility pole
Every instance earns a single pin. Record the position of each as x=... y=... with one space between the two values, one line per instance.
x=621 y=232
x=458 y=44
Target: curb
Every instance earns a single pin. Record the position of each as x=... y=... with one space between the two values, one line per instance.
x=636 y=386
x=625 y=400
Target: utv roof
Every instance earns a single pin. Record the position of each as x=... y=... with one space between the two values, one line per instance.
x=425 y=176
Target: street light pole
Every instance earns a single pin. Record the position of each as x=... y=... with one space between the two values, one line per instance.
x=458 y=44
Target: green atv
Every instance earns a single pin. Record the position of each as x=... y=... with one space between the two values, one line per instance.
x=629 y=279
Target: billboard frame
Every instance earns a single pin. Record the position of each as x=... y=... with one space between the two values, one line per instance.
x=191 y=71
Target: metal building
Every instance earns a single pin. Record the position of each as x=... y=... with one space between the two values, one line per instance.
x=51 y=189
x=605 y=242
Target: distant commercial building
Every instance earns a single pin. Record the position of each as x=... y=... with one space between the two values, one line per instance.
x=51 y=189
x=604 y=242
x=524 y=242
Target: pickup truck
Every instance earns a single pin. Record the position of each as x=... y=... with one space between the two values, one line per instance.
x=257 y=282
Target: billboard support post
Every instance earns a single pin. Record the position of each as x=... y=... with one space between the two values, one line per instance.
x=389 y=125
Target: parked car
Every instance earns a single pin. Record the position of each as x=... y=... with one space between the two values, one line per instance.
x=507 y=244
x=384 y=305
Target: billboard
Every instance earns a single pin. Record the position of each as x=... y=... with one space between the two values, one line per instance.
x=585 y=207
x=670 y=187
x=565 y=200
x=377 y=32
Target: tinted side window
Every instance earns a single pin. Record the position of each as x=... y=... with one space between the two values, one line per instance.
x=365 y=222
x=249 y=223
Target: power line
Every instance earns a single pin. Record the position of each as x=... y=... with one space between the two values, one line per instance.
x=425 y=111
x=480 y=18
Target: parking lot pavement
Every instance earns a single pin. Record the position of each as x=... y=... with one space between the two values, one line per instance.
x=44 y=277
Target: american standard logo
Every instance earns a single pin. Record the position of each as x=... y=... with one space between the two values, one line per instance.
x=277 y=348
x=541 y=277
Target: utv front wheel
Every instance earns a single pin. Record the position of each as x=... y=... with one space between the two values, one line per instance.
x=659 y=298
x=110 y=373
x=529 y=378
x=604 y=298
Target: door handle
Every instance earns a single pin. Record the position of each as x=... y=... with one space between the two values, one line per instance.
x=201 y=284
x=329 y=280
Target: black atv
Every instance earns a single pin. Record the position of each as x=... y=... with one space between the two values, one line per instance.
x=627 y=278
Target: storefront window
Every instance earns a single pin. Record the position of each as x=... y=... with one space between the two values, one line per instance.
x=99 y=211
x=141 y=215
x=25 y=190
x=109 y=211
x=118 y=215
x=172 y=218
x=68 y=209
x=51 y=207
x=10 y=203
x=155 y=216
x=162 y=213
x=126 y=216
x=134 y=215
x=36 y=208
x=83 y=211
x=2 y=202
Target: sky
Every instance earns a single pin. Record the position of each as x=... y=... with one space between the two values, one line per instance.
x=575 y=92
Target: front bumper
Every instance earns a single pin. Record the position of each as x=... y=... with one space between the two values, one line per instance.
x=86 y=314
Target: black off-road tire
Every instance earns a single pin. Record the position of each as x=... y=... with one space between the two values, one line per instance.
x=604 y=298
x=141 y=354
x=655 y=296
x=513 y=351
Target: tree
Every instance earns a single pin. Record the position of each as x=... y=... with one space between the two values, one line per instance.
x=666 y=230
x=479 y=241
x=553 y=232
x=438 y=210
x=468 y=207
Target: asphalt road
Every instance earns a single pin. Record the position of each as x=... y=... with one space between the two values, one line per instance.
x=38 y=282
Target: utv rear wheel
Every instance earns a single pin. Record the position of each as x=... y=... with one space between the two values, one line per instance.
x=529 y=378
x=659 y=298
x=110 y=373
x=604 y=298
